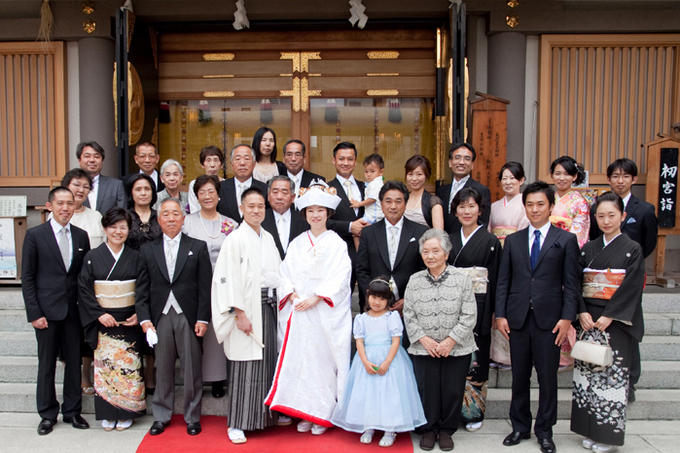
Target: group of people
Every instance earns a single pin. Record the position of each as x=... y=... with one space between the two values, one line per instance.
x=248 y=281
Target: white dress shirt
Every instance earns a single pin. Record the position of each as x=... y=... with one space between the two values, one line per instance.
x=356 y=193
x=94 y=190
x=455 y=188
x=246 y=185
x=172 y=301
x=153 y=176
x=393 y=253
x=626 y=200
x=297 y=179
x=56 y=228
x=283 y=228
x=544 y=232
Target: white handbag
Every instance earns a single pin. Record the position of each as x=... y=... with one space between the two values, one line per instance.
x=593 y=353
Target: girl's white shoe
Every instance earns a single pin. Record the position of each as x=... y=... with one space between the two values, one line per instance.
x=122 y=425
x=304 y=426
x=108 y=425
x=236 y=436
x=318 y=430
x=472 y=427
x=587 y=443
x=602 y=448
x=388 y=439
x=367 y=436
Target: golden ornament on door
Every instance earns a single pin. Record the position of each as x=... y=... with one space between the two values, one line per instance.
x=89 y=26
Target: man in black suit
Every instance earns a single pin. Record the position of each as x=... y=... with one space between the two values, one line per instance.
x=52 y=258
x=173 y=300
x=390 y=247
x=347 y=220
x=243 y=163
x=105 y=192
x=462 y=158
x=146 y=158
x=294 y=152
x=536 y=300
x=282 y=220
x=641 y=225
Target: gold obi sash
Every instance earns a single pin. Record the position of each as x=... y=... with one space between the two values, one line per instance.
x=563 y=223
x=479 y=276
x=115 y=294
x=501 y=232
x=602 y=283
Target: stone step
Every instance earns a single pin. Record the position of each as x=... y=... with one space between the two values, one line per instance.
x=11 y=298
x=660 y=302
x=14 y=321
x=664 y=348
x=18 y=344
x=650 y=404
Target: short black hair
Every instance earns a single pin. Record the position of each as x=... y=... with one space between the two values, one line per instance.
x=130 y=184
x=572 y=168
x=299 y=142
x=252 y=190
x=329 y=213
x=257 y=140
x=609 y=196
x=115 y=215
x=513 y=167
x=393 y=185
x=92 y=144
x=76 y=173
x=380 y=287
x=464 y=195
x=470 y=148
x=345 y=145
x=625 y=165
x=55 y=191
x=211 y=150
x=375 y=158
x=206 y=179
x=539 y=186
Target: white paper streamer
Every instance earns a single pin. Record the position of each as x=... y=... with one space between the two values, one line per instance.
x=240 y=19
x=357 y=10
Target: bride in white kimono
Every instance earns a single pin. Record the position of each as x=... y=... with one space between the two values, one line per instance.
x=315 y=311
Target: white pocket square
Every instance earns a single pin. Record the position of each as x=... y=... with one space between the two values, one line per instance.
x=80 y=250
x=413 y=240
x=190 y=253
x=631 y=220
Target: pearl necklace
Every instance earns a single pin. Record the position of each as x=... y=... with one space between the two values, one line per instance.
x=206 y=231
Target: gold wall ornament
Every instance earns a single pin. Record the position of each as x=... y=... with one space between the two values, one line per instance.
x=295 y=56
x=512 y=3
x=512 y=20
x=224 y=56
x=305 y=93
x=382 y=74
x=136 y=110
x=305 y=57
x=382 y=92
x=218 y=94
x=383 y=54
x=88 y=7
x=294 y=93
x=89 y=26
x=218 y=76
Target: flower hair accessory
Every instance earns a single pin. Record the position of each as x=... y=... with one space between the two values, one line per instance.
x=317 y=194
x=390 y=284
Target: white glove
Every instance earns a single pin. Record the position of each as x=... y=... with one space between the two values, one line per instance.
x=151 y=337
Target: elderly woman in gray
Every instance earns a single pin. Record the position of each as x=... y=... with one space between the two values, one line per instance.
x=172 y=175
x=440 y=313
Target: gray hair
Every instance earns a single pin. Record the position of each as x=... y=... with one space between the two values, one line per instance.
x=169 y=163
x=271 y=182
x=435 y=233
x=252 y=152
x=171 y=200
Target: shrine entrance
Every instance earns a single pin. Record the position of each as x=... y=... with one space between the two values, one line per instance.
x=373 y=88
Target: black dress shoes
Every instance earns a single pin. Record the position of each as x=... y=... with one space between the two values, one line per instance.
x=547 y=445
x=158 y=428
x=45 y=426
x=194 y=428
x=514 y=438
x=218 y=389
x=77 y=421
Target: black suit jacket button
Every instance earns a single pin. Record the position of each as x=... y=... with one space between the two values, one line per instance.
x=532 y=279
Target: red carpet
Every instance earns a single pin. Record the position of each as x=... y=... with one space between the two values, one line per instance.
x=281 y=439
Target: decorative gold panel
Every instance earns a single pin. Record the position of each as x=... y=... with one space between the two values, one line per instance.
x=218 y=94
x=218 y=76
x=382 y=74
x=382 y=92
x=305 y=57
x=383 y=54
x=294 y=93
x=295 y=56
x=218 y=56
x=305 y=93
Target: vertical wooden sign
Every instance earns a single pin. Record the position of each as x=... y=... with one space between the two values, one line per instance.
x=489 y=136
x=668 y=187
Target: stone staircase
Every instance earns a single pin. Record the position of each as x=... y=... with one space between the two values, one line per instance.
x=658 y=391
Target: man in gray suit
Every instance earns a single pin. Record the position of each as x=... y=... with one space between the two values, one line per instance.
x=106 y=192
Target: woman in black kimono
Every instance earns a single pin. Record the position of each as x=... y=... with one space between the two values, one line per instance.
x=610 y=312
x=107 y=311
x=480 y=252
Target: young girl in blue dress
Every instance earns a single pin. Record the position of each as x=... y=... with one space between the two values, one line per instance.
x=381 y=391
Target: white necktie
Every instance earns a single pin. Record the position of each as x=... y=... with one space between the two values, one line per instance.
x=281 y=227
x=393 y=245
x=64 y=248
x=296 y=180
x=348 y=189
x=170 y=257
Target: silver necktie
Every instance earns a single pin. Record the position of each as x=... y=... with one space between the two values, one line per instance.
x=170 y=257
x=64 y=249
x=393 y=245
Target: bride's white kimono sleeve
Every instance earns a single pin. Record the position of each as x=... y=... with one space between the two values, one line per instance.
x=315 y=355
